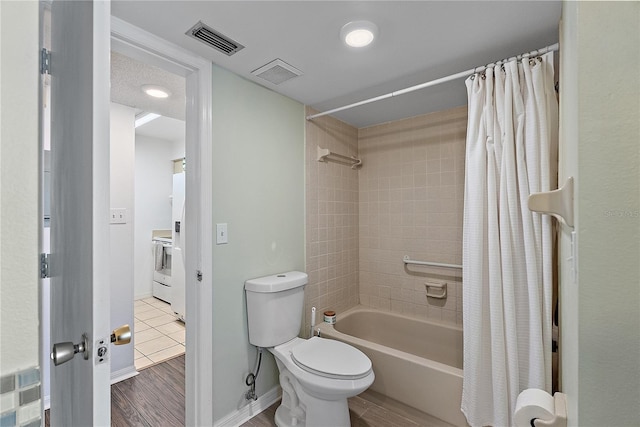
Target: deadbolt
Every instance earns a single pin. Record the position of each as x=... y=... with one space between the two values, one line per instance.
x=121 y=335
x=64 y=351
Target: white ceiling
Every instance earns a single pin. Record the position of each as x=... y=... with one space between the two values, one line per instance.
x=418 y=41
x=165 y=128
x=129 y=75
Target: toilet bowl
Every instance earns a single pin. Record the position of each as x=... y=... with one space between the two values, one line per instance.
x=317 y=377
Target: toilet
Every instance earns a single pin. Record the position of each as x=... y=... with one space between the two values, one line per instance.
x=317 y=375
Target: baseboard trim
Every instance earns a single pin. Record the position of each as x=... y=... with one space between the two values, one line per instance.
x=249 y=411
x=123 y=374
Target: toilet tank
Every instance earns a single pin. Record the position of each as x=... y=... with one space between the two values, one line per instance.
x=274 y=307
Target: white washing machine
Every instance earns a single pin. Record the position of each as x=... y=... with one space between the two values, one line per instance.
x=163 y=254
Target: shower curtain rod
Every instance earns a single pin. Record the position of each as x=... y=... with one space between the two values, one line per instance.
x=435 y=82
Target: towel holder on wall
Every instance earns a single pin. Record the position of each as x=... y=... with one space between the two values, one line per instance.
x=324 y=153
x=558 y=203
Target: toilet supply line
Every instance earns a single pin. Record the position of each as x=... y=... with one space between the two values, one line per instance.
x=251 y=378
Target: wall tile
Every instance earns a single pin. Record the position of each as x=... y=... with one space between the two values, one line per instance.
x=332 y=224
x=420 y=161
x=407 y=199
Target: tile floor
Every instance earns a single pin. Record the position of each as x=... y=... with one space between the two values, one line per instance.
x=158 y=336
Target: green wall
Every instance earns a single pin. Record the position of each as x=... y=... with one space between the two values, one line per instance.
x=600 y=131
x=258 y=190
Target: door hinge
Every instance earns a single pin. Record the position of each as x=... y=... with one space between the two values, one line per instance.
x=44 y=266
x=45 y=61
x=199 y=275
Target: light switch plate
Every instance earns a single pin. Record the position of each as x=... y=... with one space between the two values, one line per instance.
x=118 y=216
x=221 y=234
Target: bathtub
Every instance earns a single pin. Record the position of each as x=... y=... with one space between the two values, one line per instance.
x=416 y=362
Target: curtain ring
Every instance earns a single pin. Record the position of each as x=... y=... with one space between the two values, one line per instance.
x=483 y=76
x=473 y=77
x=532 y=62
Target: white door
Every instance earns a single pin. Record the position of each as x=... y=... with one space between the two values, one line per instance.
x=80 y=393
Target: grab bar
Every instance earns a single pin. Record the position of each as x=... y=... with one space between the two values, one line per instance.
x=408 y=260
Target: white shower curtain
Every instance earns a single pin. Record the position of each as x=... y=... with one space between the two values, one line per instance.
x=507 y=250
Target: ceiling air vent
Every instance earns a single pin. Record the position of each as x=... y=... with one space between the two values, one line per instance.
x=277 y=71
x=211 y=37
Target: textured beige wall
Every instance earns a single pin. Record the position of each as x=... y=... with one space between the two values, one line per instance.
x=331 y=219
x=411 y=203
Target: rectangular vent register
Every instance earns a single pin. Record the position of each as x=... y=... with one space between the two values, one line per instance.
x=214 y=39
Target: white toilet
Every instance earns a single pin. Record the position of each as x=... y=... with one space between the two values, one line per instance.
x=316 y=375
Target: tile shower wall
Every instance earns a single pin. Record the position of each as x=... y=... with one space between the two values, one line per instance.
x=411 y=191
x=331 y=219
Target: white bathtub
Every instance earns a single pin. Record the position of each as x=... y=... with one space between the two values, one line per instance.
x=418 y=363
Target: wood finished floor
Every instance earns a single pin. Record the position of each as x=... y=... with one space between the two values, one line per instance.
x=365 y=411
x=155 y=398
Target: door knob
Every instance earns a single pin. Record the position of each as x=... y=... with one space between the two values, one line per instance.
x=64 y=351
x=121 y=335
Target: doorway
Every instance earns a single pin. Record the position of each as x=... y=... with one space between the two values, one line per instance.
x=148 y=171
x=132 y=41
x=198 y=277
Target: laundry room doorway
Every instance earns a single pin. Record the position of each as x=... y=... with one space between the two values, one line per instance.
x=148 y=169
x=188 y=254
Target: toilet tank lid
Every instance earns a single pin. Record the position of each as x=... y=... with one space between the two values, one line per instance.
x=277 y=282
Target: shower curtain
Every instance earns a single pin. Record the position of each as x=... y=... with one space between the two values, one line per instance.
x=511 y=152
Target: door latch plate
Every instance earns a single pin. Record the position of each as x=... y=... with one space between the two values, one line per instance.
x=101 y=351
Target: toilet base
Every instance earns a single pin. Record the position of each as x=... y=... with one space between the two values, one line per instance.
x=283 y=418
x=299 y=408
x=320 y=414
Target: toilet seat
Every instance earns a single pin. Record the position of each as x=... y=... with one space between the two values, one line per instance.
x=331 y=359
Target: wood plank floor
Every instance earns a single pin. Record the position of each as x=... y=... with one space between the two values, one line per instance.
x=155 y=397
x=366 y=410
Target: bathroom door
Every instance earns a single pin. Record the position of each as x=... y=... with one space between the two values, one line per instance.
x=80 y=392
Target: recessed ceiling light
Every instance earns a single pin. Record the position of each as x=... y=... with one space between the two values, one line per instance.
x=156 y=91
x=359 y=33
